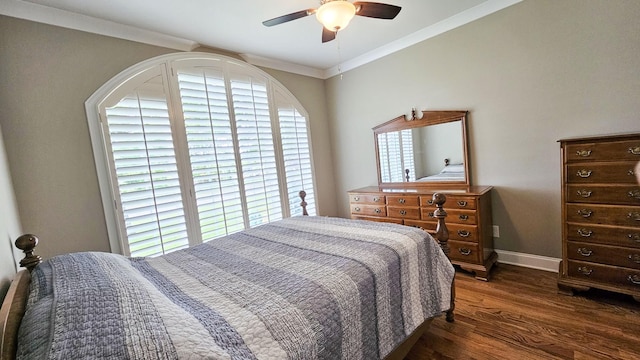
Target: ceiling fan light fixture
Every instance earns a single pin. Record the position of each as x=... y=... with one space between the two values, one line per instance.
x=335 y=15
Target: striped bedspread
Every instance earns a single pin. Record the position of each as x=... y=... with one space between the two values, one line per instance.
x=299 y=288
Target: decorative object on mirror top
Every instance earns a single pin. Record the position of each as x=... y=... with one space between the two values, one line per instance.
x=424 y=147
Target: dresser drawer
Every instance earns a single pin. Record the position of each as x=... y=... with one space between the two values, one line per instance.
x=628 y=216
x=609 y=194
x=453 y=202
x=404 y=212
x=357 y=198
x=463 y=232
x=612 y=150
x=629 y=278
x=608 y=235
x=602 y=172
x=370 y=210
x=453 y=216
x=398 y=200
x=465 y=251
x=610 y=255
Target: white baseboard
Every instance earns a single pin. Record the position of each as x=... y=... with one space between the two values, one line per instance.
x=528 y=260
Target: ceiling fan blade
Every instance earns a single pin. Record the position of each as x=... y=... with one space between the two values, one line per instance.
x=376 y=10
x=288 y=17
x=327 y=35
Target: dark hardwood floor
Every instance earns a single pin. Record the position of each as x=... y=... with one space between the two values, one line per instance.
x=519 y=315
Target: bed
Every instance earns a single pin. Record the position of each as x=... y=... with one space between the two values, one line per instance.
x=305 y=287
x=450 y=172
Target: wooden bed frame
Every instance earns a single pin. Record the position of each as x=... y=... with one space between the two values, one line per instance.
x=13 y=306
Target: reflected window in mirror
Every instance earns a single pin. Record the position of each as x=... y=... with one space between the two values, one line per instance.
x=397 y=162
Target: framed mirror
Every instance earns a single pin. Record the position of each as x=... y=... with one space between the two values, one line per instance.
x=425 y=151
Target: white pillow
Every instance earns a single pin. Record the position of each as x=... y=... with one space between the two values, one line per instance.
x=453 y=168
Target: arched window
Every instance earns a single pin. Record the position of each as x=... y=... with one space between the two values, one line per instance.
x=194 y=146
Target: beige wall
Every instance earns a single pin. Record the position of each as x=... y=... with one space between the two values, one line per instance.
x=47 y=74
x=530 y=74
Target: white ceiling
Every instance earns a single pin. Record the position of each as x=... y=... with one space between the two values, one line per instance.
x=236 y=26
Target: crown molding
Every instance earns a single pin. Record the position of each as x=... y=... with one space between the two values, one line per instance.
x=284 y=66
x=48 y=15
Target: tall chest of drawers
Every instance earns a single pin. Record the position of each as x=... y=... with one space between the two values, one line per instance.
x=468 y=219
x=600 y=214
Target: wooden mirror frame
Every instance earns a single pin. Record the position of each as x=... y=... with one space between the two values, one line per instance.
x=428 y=118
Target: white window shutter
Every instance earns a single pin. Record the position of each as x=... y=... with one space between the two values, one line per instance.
x=146 y=174
x=257 y=153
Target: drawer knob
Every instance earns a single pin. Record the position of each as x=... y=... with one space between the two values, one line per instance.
x=403 y=212
x=356 y=198
x=378 y=211
x=634 y=216
x=585 y=270
x=583 y=153
x=376 y=199
x=584 y=193
x=634 y=237
x=634 y=279
x=634 y=194
x=635 y=150
x=463 y=217
x=585 y=232
x=356 y=208
x=462 y=203
x=464 y=233
x=585 y=252
x=465 y=251
x=584 y=173
x=430 y=202
x=631 y=172
x=585 y=213
x=635 y=258
x=401 y=201
x=431 y=215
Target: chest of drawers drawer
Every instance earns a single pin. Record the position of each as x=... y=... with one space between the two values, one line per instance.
x=609 y=194
x=453 y=202
x=628 y=216
x=601 y=172
x=626 y=278
x=610 y=255
x=619 y=150
x=604 y=234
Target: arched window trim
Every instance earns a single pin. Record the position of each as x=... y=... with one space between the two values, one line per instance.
x=100 y=148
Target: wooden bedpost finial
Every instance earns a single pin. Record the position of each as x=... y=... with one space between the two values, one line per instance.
x=27 y=243
x=302 y=195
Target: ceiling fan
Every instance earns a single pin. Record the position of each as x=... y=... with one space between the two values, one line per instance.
x=336 y=14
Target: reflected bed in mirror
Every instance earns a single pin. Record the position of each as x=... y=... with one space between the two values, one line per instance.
x=422 y=152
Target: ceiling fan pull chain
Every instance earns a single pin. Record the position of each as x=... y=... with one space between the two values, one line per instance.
x=339 y=58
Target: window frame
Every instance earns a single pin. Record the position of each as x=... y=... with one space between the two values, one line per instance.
x=113 y=86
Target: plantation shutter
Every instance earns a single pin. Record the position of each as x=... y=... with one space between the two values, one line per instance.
x=297 y=156
x=257 y=153
x=146 y=174
x=211 y=151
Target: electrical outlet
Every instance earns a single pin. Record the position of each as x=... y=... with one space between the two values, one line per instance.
x=496 y=231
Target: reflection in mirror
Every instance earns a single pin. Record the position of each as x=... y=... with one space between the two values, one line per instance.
x=424 y=151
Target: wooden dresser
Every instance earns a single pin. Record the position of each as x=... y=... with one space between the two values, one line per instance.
x=468 y=218
x=600 y=215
